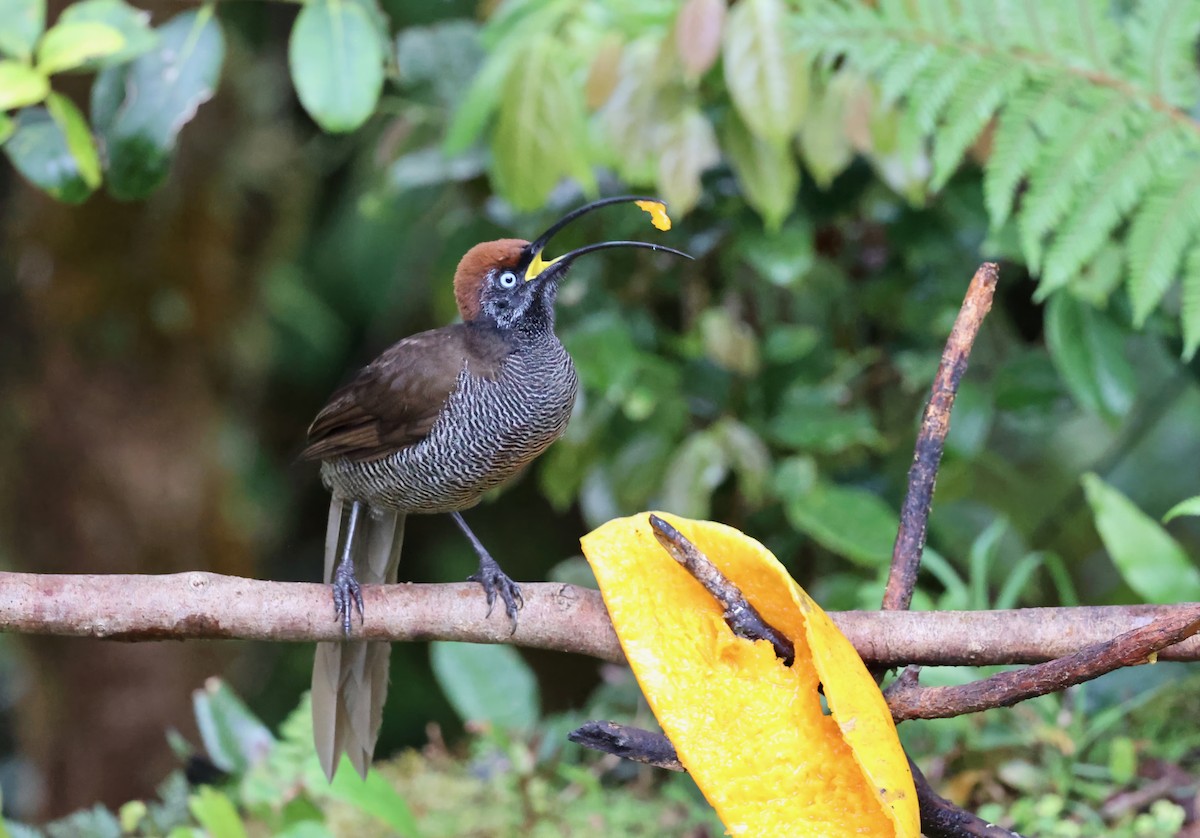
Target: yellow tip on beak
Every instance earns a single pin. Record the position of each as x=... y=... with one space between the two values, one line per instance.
x=658 y=213
x=537 y=265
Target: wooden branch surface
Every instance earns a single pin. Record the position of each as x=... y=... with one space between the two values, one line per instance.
x=565 y=618
x=931 y=439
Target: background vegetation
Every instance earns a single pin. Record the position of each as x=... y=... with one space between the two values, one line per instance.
x=185 y=280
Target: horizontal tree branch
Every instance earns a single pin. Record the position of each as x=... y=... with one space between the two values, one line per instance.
x=908 y=700
x=565 y=618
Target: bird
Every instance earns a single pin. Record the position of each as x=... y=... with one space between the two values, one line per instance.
x=437 y=420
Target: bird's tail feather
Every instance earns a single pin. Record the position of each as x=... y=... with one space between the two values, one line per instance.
x=350 y=678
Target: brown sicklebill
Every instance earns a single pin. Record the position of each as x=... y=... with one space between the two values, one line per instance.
x=429 y=426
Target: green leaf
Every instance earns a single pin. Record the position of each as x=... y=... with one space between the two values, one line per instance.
x=23 y=23
x=133 y=24
x=40 y=151
x=766 y=171
x=698 y=28
x=767 y=77
x=541 y=134
x=1148 y=559
x=376 y=797
x=68 y=45
x=1190 y=303
x=216 y=813
x=337 y=62
x=1088 y=350
x=1191 y=506
x=1166 y=222
x=139 y=108
x=688 y=148
x=233 y=736
x=445 y=57
x=700 y=465
x=846 y=520
x=7 y=126
x=823 y=140
x=21 y=86
x=486 y=683
x=78 y=136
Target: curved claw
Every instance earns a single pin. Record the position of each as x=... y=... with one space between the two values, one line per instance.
x=347 y=596
x=494 y=580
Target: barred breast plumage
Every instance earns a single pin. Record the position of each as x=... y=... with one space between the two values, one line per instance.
x=488 y=430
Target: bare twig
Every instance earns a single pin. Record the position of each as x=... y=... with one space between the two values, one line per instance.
x=935 y=424
x=907 y=700
x=939 y=817
x=566 y=618
x=627 y=742
x=742 y=617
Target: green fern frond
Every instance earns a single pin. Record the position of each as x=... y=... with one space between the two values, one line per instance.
x=1125 y=173
x=1064 y=166
x=1162 y=41
x=1093 y=103
x=975 y=103
x=1190 y=304
x=1167 y=223
x=1018 y=142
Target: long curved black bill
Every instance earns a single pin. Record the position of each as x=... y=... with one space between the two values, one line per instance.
x=537 y=266
x=537 y=245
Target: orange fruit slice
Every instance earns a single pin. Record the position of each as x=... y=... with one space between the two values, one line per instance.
x=751 y=731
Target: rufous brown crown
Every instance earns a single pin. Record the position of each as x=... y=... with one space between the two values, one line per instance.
x=473 y=269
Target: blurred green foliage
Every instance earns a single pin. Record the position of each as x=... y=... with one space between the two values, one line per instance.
x=839 y=168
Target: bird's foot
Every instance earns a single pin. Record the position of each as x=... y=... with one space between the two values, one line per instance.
x=347 y=595
x=496 y=581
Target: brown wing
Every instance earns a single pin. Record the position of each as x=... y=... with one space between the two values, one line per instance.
x=394 y=401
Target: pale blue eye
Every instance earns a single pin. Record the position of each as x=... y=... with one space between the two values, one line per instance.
x=508 y=279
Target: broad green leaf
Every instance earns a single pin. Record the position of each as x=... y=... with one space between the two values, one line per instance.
x=233 y=736
x=1191 y=506
x=216 y=813
x=541 y=134
x=1088 y=350
x=133 y=24
x=783 y=258
x=445 y=57
x=337 y=62
x=1148 y=559
x=21 y=24
x=139 y=108
x=688 y=148
x=849 y=521
x=729 y=342
x=7 y=126
x=305 y=829
x=21 y=85
x=766 y=75
x=767 y=171
x=78 y=136
x=486 y=683
x=131 y=815
x=823 y=141
x=96 y=822
x=68 y=45
x=698 y=34
x=700 y=465
x=376 y=796
x=40 y=151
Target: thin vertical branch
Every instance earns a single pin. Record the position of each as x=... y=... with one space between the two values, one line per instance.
x=935 y=424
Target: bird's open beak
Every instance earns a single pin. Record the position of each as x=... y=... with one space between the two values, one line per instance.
x=538 y=265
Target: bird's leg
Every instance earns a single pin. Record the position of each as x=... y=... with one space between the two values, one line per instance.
x=493 y=579
x=347 y=594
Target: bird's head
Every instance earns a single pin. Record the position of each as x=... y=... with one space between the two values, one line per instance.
x=508 y=282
